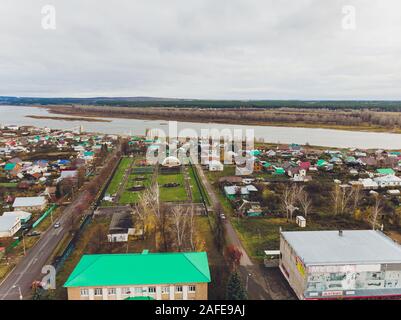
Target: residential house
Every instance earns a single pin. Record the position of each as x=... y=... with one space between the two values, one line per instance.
x=388 y=181
x=30 y=204
x=120 y=227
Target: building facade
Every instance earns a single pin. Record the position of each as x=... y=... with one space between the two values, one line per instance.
x=159 y=276
x=341 y=264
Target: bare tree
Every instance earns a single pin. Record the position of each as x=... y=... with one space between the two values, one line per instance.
x=180 y=220
x=151 y=197
x=142 y=211
x=191 y=227
x=290 y=196
x=356 y=196
x=305 y=201
x=341 y=199
x=375 y=211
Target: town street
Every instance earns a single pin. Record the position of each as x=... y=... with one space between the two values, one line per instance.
x=252 y=276
x=29 y=267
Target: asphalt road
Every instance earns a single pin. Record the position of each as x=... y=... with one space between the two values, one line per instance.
x=252 y=275
x=29 y=267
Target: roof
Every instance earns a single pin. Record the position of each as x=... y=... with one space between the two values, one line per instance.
x=23 y=215
x=7 y=222
x=29 y=201
x=140 y=269
x=120 y=222
x=9 y=166
x=387 y=171
x=353 y=247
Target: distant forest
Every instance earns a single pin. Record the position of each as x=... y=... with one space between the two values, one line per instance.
x=141 y=102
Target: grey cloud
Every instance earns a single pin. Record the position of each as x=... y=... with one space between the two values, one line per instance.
x=235 y=49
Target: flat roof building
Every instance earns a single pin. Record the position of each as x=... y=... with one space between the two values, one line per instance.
x=341 y=264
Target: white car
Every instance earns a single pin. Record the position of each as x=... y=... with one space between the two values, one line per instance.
x=57 y=225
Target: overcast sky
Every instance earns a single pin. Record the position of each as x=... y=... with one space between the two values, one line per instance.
x=220 y=49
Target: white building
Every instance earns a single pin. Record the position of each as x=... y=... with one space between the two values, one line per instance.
x=9 y=225
x=30 y=203
x=215 y=165
x=22 y=215
x=341 y=264
x=369 y=184
x=388 y=181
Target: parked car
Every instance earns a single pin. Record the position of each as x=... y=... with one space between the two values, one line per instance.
x=34 y=234
x=57 y=225
x=223 y=216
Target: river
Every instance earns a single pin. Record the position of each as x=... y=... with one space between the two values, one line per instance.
x=318 y=137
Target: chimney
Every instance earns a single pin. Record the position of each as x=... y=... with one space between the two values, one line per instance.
x=340 y=233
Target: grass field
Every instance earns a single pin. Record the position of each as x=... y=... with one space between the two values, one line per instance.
x=259 y=234
x=131 y=197
x=8 y=185
x=196 y=194
x=172 y=194
x=119 y=175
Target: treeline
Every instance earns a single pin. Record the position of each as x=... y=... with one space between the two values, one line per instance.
x=283 y=115
x=142 y=102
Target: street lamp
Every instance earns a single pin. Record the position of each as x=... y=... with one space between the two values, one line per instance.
x=247 y=281
x=19 y=290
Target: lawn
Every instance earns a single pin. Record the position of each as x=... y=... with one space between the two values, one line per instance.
x=131 y=197
x=8 y=185
x=119 y=175
x=175 y=194
x=196 y=193
x=259 y=234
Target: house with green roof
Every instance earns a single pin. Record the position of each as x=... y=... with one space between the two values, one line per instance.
x=159 y=276
x=386 y=171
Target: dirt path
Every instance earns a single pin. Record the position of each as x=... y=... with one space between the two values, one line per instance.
x=123 y=184
x=252 y=276
x=187 y=184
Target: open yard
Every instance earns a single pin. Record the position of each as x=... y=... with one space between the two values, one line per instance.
x=130 y=196
x=172 y=194
x=119 y=175
x=259 y=234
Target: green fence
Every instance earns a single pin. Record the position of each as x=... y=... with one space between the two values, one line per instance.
x=50 y=210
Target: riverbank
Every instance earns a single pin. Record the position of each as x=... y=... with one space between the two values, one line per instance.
x=208 y=116
x=88 y=119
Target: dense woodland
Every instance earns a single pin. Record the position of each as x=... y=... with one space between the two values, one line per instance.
x=386 y=120
x=210 y=104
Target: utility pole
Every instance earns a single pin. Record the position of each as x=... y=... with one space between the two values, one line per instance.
x=23 y=242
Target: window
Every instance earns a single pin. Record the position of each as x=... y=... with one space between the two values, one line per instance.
x=112 y=291
x=152 y=289
x=125 y=291
x=138 y=290
x=191 y=289
x=165 y=290
x=178 y=288
x=84 y=292
x=98 y=291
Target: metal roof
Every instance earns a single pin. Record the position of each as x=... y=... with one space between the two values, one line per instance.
x=353 y=247
x=137 y=269
x=7 y=222
x=29 y=201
